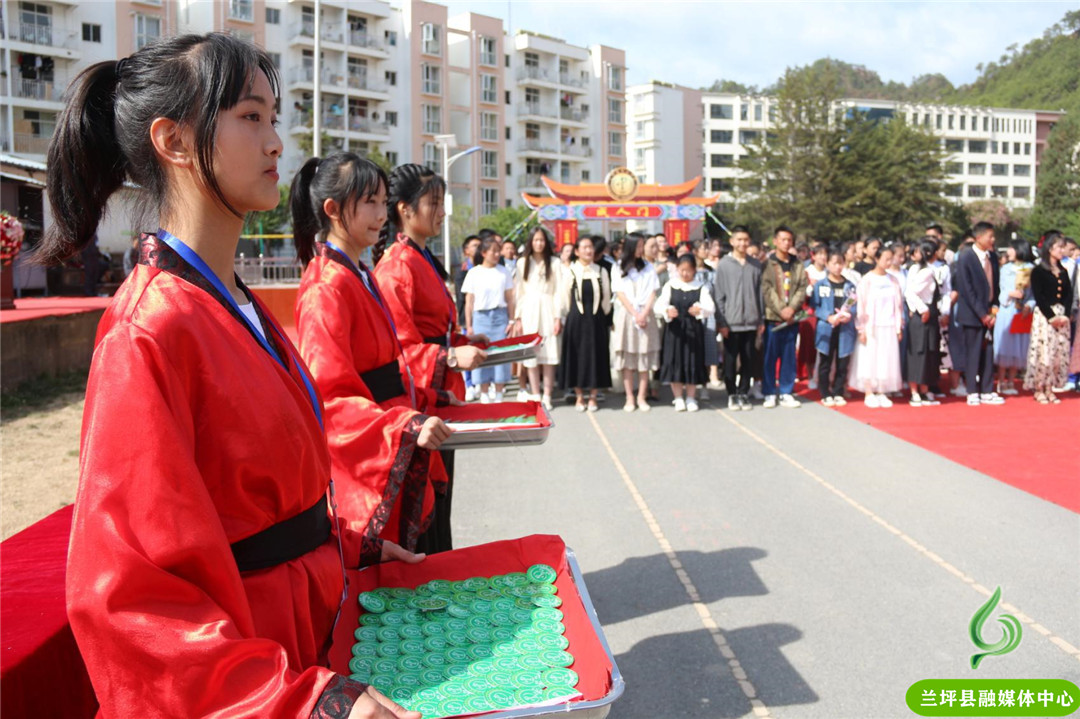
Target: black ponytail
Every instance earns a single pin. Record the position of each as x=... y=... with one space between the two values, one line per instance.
x=305 y=223
x=102 y=135
x=85 y=163
x=408 y=183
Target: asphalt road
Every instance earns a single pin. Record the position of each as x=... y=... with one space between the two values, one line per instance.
x=782 y=563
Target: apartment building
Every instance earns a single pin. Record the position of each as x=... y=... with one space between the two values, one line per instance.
x=661 y=115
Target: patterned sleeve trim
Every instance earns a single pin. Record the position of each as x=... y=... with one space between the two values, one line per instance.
x=337 y=699
x=438 y=377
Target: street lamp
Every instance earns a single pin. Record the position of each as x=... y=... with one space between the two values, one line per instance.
x=446 y=142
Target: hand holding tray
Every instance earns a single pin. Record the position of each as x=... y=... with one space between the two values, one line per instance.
x=505 y=424
x=512 y=349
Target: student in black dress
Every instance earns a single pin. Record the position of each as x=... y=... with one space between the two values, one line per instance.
x=684 y=305
x=922 y=296
x=586 y=363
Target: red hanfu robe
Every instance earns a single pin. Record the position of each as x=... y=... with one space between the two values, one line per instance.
x=194 y=438
x=422 y=309
x=382 y=477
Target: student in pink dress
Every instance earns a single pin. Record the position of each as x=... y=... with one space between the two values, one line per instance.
x=881 y=326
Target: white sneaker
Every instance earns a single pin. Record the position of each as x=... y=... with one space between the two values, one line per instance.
x=871 y=400
x=828 y=402
x=973 y=400
x=485 y=398
x=770 y=401
x=733 y=403
x=470 y=393
x=546 y=401
x=691 y=405
x=839 y=401
x=930 y=400
x=992 y=398
x=744 y=403
x=884 y=401
x=789 y=401
x=523 y=396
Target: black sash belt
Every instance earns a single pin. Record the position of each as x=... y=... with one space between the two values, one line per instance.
x=384 y=382
x=285 y=540
x=436 y=340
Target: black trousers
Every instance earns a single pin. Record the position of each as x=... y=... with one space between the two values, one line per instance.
x=979 y=360
x=739 y=346
x=825 y=364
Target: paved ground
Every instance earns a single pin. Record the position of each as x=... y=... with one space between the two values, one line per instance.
x=833 y=565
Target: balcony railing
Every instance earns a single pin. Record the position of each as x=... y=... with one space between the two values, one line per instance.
x=36 y=90
x=358 y=123
x=307 y=74
x=47 y=34
x=432 y=47
x=535 y=108
x=306 y=28
x=533 y=145
x=529 y=179
x=581 y=81
x=573 y=114
x=535 y=73
x=28 y=144
x=358 y=38
x=333 y=122
x=576 y=150
x=363 y=82
x=300 y=119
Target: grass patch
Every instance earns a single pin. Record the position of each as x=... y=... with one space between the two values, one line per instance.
x=34 y=394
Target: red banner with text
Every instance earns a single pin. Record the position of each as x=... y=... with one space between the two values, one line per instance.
x=565 y=232
x=677 y=231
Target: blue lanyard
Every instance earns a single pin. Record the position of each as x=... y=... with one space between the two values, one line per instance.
x=373 y=290
x=193 y=259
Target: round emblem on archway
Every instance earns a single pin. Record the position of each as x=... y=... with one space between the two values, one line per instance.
x=622 y=184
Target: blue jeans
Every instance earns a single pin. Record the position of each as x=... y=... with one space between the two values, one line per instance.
x=493 y=324
x=780 y=345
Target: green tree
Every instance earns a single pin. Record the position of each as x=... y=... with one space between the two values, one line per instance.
x=376 y=155
x=1057 y=198
x=505 y=219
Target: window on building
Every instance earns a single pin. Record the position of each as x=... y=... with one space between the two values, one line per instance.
x=748 y=137
x=507 y=132
x=977 y=146
x=639 y=158
x=489 y=200
x=954 y=190
x=430 y=34
x=1027 y=148
x=744 y=112
x=487 y=51
x=532 y=131
x=391 y=78
x=242 y=10
x=91 y=32
x=615 y=144
x=993 y=147
x=275 y=57
x=432 y=158
x=1022 y=170
x=615 y=78
x=951 y=118
x=489 y=165
x=390 y=36
x=1022 y=192
x=489 y=89
x=720 y=112
x=639 y=130
x=999 y=191
x=585 y=175
x=954 y=145
x=721 y=160
x=1004 y=148
x=431 y=84
x=999 y=169
x=963 y=122
x=357 y=71
x=391 y=118
x=532 y=99
x=954 y=168
x=1016 y=148
x=721 y=137
x=532 y=60
x=757 y=112
x=147 y=30
x=392 y=158
x=432 y=115
x=986 y=124
x=976 y=191
x=35 y=24
x=489 y=126
x=273 y=16
x=615 y=111
x=976 y=168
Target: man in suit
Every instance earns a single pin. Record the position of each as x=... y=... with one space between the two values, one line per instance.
x=976 y=282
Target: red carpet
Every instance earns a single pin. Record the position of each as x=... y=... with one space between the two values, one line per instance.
x=1022 y=443
x=32 y=308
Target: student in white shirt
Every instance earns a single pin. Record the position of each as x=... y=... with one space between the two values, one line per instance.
x=489 y=305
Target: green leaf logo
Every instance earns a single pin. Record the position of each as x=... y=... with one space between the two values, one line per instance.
x=1010 y=624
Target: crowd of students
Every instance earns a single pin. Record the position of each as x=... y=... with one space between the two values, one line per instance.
x=883 y=319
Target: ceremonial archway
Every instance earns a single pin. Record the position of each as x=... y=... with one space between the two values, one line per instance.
x=619 y=198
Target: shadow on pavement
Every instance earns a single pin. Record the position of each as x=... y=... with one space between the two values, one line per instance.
x=684 y=675
x=644 y=585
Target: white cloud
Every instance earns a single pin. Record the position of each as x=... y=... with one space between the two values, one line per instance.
x=693 y=43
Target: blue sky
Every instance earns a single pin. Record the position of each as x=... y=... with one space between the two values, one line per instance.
x=693 y=43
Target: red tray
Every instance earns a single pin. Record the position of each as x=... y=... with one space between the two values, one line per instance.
x=511 y=435
x=600 y=682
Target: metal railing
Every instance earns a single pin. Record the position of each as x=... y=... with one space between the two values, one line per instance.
x=532 y=145
x=28 y=144
x=330 y=33
x=264 y=270
x=39 y=34
x=363 y=82
x=36 y=90
x=358 y=123
x=535 y=108
x=529 y=179
x=359 y=38
x=573 y=114
x=534 y=73
x=581 y=81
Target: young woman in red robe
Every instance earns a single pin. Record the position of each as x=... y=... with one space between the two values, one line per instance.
x=205 y=572
x=414 y=286
x=380 y=440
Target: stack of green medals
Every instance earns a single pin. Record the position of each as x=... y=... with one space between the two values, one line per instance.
x=478 y=645
x=516 y=419
x=510 y=348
